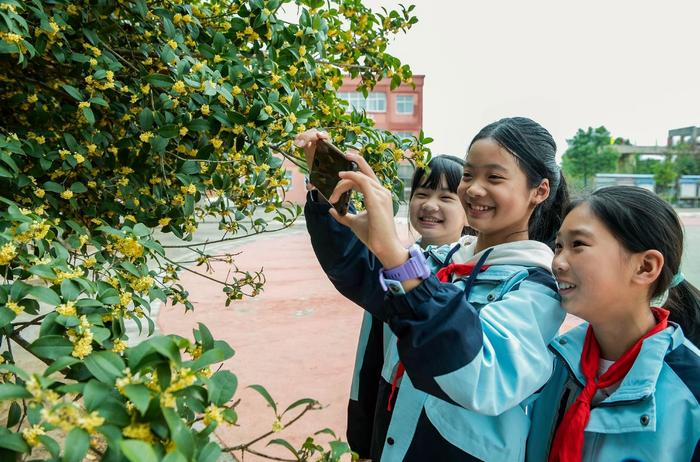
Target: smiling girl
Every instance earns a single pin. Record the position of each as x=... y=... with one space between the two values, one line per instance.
x=473 y=338
x=437 y=215
x=627 y=382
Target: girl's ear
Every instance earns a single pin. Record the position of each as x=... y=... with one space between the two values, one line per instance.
x=540 y=193
x=649 y=265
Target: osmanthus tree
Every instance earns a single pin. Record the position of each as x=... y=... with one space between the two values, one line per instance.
x=125 y=120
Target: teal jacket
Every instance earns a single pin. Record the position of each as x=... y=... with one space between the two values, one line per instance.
x=653 y=416
x=473 y=358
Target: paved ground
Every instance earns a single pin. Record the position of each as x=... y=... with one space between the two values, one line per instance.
x=298 y=338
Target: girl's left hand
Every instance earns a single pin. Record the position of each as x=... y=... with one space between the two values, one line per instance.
x=375 y=226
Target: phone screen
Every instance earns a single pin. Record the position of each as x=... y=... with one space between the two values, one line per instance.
x=328 y=162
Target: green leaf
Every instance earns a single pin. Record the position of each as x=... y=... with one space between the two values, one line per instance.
x=51 y=347
x=19 y=290
x=174 y=456
x=190 y=167
x=146 y=119
x=179 y=432
x=140 y=395
x=89 y=116
x=209 y=453
x=284 y=443
x=166 y=346
x=43 y=271
x=264 y=393
x=215 y=355
x=138 y=451
x=78 y=187
x=6 y=316
x=13 y=414
x=74 y=92
x=70 y=290
x=106 y=366
x=338 y=448
x=51 y=445
x=205 y=337
x=46 y=295
x=12 y=391
x=12 y=441
x=168 y=131
x=77 y=444
x=59 y=364
x=301 y=402
x=95 y=393
x=221 y=387
x=159 y=80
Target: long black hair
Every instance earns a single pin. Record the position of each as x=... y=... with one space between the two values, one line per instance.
x=535 y=150
x=641 y=220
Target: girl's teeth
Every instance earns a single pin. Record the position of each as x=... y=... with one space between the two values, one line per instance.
x=480 y=208
x=564 y=285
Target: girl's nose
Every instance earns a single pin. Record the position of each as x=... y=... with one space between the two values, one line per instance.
x=559 y=265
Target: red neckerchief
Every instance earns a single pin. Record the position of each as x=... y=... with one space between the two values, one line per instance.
x=457 y=269
x=568 y=441
x=444 y=275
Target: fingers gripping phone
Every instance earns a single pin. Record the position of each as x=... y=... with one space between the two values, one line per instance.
x=328 y=162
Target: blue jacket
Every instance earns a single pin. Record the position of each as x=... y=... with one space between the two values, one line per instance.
x=471 y=364
x=377 y=356
x=653 y=416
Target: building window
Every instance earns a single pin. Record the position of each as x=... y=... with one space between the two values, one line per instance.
x=376 y=102
x=355 y=100
x=404 y=104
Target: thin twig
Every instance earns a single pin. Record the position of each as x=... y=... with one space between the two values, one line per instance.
x=245 y=446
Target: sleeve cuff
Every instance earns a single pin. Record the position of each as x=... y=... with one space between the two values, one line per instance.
x=402 y=305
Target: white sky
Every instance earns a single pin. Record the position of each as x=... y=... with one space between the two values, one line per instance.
x=631 y=65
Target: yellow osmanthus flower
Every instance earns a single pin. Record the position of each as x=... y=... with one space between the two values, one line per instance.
x=31 y=435
x=183 y=131
x=79 y=158
x=172 y=44
x=139 y=431
x=236 y=90
x=146 y=136
x=40 y=193
x=119 y=345
x=190 y=188
x=277 y=425
x=90 y=262
x=146 y=89
x=14 y=306
x=32 y=98
x=7 y=253
x=67 y=194
x=179 y=86
x=84 y=104
x=205 y=109
x=11 y=37
x=130 y=247
x=67 y=309
x=213 y=413
x=293 y=70
x=216 y=142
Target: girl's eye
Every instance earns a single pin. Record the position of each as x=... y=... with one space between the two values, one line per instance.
x=447 y=198
x=419 y=194
x=467 y=176
x=578 y=244
x=496 y=177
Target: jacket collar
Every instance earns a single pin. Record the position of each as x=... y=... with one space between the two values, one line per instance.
x=636 y=391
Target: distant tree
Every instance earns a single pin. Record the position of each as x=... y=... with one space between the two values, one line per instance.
x=589 y=153
x=687 y=159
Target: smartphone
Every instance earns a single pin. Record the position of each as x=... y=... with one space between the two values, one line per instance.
x=328 y=162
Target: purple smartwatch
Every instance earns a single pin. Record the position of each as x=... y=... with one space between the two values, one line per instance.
x=415 y=267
